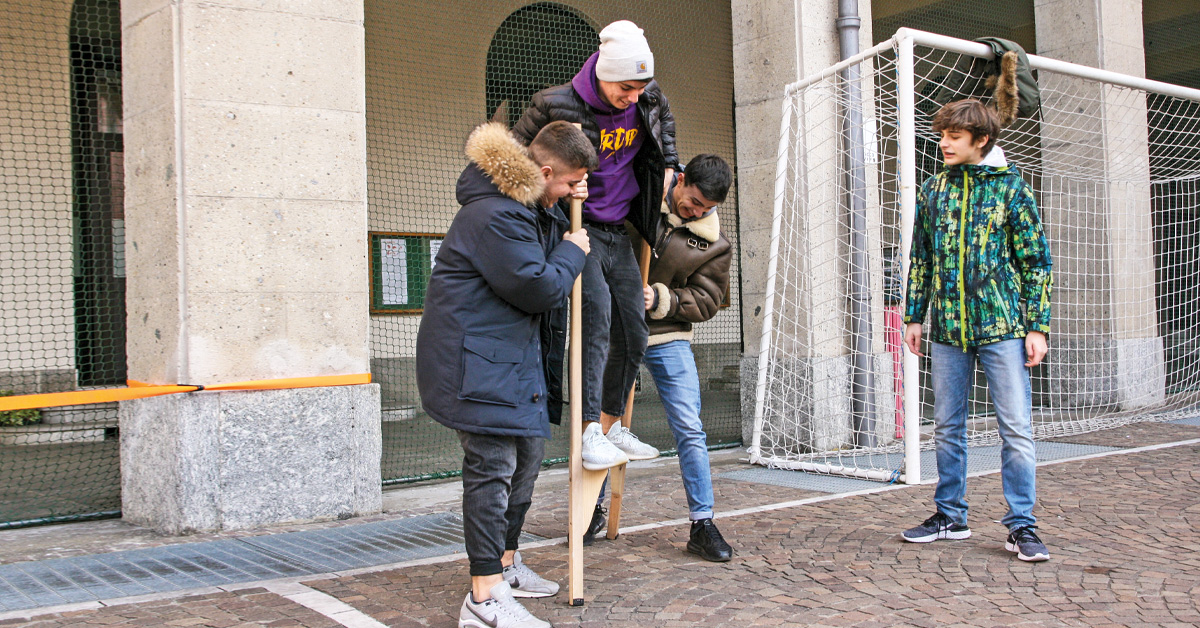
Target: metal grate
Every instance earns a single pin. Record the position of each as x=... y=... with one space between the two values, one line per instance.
x=232 y=561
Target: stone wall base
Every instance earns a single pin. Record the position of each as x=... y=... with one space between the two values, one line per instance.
x=231 y=460
x=818 y=397
x=1125 y=374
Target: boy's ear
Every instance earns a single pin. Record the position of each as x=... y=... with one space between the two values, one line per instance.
x=981 y=140
x=547 y=172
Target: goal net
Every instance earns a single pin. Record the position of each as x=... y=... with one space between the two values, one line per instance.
x=1114 y=161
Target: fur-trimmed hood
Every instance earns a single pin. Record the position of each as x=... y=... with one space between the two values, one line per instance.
x=507 y=164
x=707 y=226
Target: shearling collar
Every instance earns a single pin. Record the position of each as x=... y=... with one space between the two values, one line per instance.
x=707 y=227
x=506 y=162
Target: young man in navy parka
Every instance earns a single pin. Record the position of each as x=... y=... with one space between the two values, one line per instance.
x=491 y=338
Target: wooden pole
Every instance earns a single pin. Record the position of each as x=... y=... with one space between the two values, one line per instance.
x=584 y=485
x=616 y=477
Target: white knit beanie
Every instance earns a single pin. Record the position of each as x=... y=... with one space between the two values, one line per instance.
x=624 y=54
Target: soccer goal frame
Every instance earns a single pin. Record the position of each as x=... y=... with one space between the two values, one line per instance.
x=774 y=409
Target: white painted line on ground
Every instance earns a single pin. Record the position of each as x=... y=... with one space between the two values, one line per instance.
x=324 y=604
x=287 y=584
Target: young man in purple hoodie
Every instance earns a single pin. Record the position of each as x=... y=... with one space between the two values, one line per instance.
x=624 y=114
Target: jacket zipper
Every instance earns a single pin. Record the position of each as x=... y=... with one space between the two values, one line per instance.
x=962 y=255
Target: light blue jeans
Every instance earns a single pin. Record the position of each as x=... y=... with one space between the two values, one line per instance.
x=1008 y=386
x=674 y=370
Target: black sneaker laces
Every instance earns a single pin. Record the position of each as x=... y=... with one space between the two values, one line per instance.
x=939 y=520
x=1026 y=535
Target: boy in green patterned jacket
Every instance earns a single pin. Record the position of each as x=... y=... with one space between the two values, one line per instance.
x=980 y=264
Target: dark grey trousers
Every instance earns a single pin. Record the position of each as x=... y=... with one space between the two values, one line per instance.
x=614 y=321
x=498 y=476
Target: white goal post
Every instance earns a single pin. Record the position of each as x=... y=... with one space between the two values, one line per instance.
x=1114 y=161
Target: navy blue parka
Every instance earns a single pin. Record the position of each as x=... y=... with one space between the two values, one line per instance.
x=493 y=329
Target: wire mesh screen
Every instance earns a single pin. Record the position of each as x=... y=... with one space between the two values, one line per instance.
x=1114 y=171
x=433 y=75
x=62 y=274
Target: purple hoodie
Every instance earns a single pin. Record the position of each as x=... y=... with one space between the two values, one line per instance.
x=612 y=185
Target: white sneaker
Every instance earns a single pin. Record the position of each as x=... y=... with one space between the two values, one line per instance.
x=598 y=452
x=525 y=582
x=501 y=611
x=633 y=447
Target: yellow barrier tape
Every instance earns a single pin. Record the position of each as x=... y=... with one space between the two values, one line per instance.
x=141 y=390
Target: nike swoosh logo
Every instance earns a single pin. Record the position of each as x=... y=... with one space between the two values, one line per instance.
x=491 y=622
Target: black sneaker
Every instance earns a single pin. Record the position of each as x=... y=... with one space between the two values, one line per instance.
x=596 y=526
x=1026 y=544
x=706 y=542
x=939 y=526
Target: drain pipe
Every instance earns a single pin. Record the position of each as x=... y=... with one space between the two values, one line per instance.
x=862 y=372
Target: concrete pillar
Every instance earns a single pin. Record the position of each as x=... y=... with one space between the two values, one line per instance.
x=775 y=43
x=246 y=223
x=1096 y=202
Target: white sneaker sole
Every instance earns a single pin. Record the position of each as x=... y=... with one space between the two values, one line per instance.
x=531 y=594
x=1036 y=558
x=647 y=456
x=599 y=466
x=937 y=536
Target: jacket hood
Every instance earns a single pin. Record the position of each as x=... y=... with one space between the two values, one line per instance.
x=994 y=163
x=584 y=84
x=707 y=226
x=506 y=164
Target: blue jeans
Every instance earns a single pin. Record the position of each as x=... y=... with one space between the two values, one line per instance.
x=1008 y=386
x=674 y=370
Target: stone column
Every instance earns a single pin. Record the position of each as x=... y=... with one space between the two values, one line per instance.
x=1096 y=204
x=246 y=224
x=775 y=43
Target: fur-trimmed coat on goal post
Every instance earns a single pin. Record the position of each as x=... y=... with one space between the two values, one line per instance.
x=491 y=343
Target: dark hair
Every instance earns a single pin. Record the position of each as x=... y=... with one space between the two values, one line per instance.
x=565 y=145
x=971 y=116
x=711 y=175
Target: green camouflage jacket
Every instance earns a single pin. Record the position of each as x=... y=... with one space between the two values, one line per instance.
x=983 y=219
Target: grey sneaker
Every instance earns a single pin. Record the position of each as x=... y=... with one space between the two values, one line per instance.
x=526 y=583
x=501 y=611
x=633 y=446
x=1026 y=544
x=939 y=526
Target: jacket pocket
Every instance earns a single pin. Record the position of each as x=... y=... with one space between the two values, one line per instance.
x=490 y=371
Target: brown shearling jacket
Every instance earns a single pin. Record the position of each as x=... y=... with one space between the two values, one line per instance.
x=689 y=272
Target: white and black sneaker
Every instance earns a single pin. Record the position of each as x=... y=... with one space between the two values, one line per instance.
x=525 y=582
x=501 y=611
x=935 y=528
x=1026 y=545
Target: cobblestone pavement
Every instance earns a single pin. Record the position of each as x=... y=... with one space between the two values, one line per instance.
x=1123 y=532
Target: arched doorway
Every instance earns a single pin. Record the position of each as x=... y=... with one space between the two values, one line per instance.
x=98 y=192
x=537 y=46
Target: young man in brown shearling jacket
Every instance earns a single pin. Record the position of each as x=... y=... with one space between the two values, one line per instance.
x=689 y=275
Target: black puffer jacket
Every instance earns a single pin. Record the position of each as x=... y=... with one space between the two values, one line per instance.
x=491 y=340
x=563 y=103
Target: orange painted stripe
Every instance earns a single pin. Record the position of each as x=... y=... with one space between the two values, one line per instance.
x=141 y=390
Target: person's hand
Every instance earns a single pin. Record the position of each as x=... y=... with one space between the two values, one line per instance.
x=580 y=191
x=670 y=174
x=912 y=338
x=579 y=239
x=648 y=295
x=1035 y=348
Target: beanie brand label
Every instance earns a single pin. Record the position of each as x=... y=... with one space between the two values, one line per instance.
x=639 y=67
